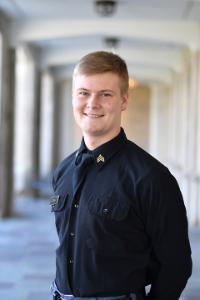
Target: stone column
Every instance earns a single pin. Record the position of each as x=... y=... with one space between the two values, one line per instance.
x=159 y=122
x=175 y=124
x=182 y=134
x=26 y=119
x=7 y=92
x=47 y=124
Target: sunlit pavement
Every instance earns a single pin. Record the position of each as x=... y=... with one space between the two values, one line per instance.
x=27 y=254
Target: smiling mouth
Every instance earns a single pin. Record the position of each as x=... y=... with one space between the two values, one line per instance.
x=93 y=116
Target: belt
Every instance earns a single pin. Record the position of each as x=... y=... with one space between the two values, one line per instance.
x=132 y=296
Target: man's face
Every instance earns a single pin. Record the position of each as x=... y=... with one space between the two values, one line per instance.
x=98 y=103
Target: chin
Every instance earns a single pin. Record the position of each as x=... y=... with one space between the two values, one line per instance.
x=93 y=131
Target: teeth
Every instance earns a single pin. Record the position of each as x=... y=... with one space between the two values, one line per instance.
x=93 y=115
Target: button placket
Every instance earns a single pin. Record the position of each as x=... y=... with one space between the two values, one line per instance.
x=78 y=179
x=71 y=234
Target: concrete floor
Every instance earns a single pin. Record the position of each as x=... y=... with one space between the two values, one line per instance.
x=27 y=254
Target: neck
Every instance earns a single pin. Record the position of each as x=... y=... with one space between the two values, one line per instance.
x=93 y=142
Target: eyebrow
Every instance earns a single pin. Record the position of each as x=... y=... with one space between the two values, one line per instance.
x=101 y=91
x=110 y=91
x=82 y=89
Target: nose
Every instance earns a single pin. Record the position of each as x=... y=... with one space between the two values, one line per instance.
x=93 y=101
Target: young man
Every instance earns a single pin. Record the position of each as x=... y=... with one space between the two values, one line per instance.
x=120 y=215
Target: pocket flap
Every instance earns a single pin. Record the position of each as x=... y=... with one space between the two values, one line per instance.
x=108 y=207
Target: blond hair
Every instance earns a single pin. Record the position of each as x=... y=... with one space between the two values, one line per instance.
x=101 y=62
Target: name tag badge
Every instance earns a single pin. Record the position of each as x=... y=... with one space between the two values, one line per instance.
x=54 y=200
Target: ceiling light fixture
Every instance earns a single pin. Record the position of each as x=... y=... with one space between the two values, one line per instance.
x=111 y=42
x=105 y=7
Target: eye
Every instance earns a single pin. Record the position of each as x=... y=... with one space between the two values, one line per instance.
x=83 y=93
x=106 y=94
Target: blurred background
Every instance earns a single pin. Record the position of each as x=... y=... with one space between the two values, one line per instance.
x=40 y=42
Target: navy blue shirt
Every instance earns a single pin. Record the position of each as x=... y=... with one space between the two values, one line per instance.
x=124 y=228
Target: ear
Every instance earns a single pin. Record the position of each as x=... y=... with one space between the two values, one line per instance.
x=124 y=101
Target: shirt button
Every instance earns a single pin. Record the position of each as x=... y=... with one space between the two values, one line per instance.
x=71 y=261
x=76 y=205
x=72 y=234
x=105 y=210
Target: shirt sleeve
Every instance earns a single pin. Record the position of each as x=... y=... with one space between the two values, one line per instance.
x=166 y=225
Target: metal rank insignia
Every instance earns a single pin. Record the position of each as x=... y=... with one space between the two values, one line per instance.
x=100 y=158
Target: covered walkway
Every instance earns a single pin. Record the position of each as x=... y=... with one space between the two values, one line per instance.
x=40 y=43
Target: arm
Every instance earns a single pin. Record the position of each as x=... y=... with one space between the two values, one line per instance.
x=167 y=228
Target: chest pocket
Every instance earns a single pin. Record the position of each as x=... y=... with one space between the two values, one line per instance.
x=58 y=206
x=109 y=207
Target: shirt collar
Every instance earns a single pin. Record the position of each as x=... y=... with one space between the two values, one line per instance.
x=104 y=152
x=80 y=151
x=82 y=148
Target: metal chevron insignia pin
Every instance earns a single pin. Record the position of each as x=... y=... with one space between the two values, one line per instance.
x=100 y=158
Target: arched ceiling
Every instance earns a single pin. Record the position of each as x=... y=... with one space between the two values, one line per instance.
x=153 y=34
